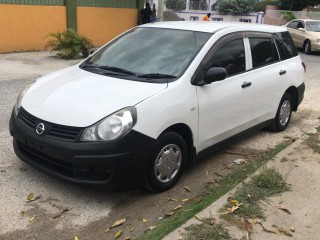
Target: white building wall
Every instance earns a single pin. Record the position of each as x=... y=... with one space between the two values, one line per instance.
x=198 y=15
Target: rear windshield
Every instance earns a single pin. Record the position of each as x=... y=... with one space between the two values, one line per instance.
x=285 y=45
x=148 y=53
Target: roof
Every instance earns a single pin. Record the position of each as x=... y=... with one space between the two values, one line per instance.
x=306 y=20
x=212 y=27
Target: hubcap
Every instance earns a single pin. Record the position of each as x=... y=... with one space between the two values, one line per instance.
x=168 y=163
x=285 y=112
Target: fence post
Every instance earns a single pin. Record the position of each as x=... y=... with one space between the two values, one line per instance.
x=71 y=7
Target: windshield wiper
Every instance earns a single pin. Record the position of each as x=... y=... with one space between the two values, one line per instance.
x=111 y=69
x=156 y=76
x=116 y=69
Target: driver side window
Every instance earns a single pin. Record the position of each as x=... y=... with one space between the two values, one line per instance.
x=230 y=56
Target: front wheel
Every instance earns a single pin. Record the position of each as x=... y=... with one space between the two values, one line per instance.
x=284 y=112
x=166 y=163
x=307 y=47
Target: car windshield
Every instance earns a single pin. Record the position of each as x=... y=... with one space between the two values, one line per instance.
x=145 y=54
x=313 y=26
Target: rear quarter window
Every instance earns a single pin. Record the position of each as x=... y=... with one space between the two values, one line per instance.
x=285 y=45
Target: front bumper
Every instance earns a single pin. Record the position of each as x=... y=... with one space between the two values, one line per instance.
x=99 y=163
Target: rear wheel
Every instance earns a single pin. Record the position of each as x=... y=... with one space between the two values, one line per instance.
x=307 y=47
x=284 y=112
x=166 y=162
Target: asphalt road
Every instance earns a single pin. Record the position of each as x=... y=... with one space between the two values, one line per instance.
x=89 y=206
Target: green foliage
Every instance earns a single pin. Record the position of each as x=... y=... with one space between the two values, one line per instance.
x=268 y=183
x=235 y=6
x=207 y=231
x=69 y=44
x=288 y=15
x=214 y=6
x=297 y=5
x=261 y=6
x=176 y=5
x=314 y=140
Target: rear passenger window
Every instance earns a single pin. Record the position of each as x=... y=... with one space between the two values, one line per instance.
x=263 y=51
x=230 y=56
x=285 y=45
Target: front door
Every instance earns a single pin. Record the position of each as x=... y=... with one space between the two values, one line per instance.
x=225 y=106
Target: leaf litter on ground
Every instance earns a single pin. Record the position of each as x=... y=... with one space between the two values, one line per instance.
x=119 y=222
x=61 y=213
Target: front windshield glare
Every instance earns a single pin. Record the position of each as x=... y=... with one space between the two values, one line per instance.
x=313 y=26
x=152 y=51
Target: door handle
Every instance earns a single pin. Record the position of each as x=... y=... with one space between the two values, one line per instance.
x=282 y=72
x=246 y=84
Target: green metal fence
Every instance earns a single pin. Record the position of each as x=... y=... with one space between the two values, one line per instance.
x=34 y=2
x=108 y=3
x=81 y=3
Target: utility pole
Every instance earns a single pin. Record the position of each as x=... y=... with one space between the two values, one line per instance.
x=160 y=10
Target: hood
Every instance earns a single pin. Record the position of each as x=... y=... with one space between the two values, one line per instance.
x=75 y=97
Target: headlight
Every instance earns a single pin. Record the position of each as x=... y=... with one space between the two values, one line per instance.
x=112 y=127
x=19 y=99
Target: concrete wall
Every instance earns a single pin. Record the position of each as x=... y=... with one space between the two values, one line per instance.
x=24 y=27
x=103 y=24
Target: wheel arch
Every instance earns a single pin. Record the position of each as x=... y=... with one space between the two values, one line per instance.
x=293 y=92
x=185 y=132
x=305 y=41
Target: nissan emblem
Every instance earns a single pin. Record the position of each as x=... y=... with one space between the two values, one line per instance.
x=40 y=128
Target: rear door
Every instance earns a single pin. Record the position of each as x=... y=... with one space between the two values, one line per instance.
x=224 y=106
x=267 y=76
x=293 y=30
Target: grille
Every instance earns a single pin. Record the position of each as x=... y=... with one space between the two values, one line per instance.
x=55 y=131
x=42 y=159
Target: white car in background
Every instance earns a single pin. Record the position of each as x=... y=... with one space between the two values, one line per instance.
x=156 y=99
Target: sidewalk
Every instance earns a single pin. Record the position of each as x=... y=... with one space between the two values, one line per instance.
x=300 y=166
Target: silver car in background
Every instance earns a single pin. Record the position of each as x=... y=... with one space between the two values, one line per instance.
x=305 y=34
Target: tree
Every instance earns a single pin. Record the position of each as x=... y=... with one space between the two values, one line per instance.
x=235 y=6
x=203 y=5
x=261 y=6
x=176 y=5
x=214 y=6
x=297 y=5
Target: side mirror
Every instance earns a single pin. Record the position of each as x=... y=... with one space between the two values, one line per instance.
x=215 y=74
x=301 y=29
x=92 y=50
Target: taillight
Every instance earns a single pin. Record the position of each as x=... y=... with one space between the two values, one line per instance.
x=304 y=67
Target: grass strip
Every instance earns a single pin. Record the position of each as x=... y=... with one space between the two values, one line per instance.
x=207 y=231
x=212 y=194
x=313 y=140
x=267 y=183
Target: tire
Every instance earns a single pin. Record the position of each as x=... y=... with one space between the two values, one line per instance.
x=307 y=47
x=283 y=115
x=166 y=162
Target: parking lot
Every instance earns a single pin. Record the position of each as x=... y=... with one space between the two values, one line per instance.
x=92 y=211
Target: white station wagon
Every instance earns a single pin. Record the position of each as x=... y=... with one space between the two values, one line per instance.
x=156 y=99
